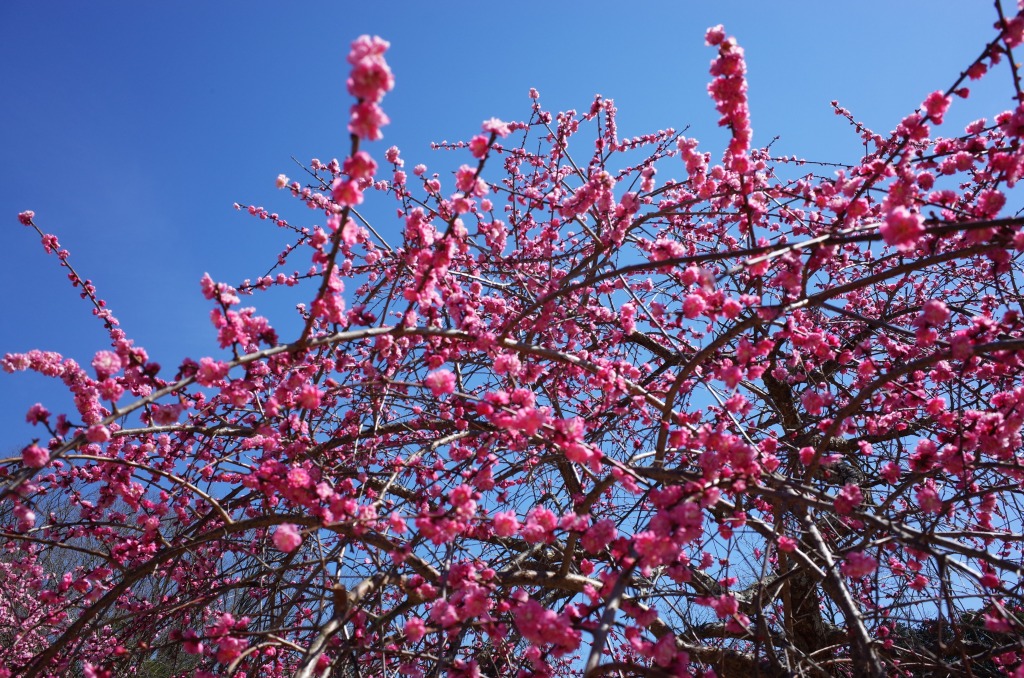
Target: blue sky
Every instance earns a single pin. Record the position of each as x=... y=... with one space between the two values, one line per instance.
x=131 y=128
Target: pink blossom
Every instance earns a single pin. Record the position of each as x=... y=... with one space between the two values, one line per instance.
x=507 y=363
x=936 y=105
x=397 y=523
x=715 y=35
x=496 y=127
x=347 y=192
x=467 y=182
x=902 y=229
x=627 y=317
x=415 y=629
x=440 y=382
x=26 y=217
x=813 y=402
x=299 y=478
x=106 y=363
x=665 y=650
x=599 y=536
x=367 y=46
x=287 y=537
x=34 y=456
x=858 y=564
x=393 y=156
x=990 y=202
x=26 y=517
x=461 y=496
x=359 y=166
x=542 y=626
x=478 y=146
x=506 y=524
x=849 y=498
x=370 y=79
x=891 y=473
x=693 y=305
x=309 y=397
x=37 y=414
x=928 y=497
x=366 y=120
x=725 y=606
x=443 y=613
x=996 y=622
x=934 y=312
x=110 y=389
x=540 y=523
x=97 y=433
x=165 y=415
x=211 y=371
x=191 y=644
x=230 y=649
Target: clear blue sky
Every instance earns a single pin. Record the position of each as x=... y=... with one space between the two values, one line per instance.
x=131 y=127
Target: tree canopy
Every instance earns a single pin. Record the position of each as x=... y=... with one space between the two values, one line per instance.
x=612 y=406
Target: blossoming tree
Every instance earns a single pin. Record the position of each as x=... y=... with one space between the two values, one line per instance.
x=759 y=417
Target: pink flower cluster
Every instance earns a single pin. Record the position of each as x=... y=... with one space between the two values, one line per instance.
x=858 y=564
x=287 y=537
x=729 y=91
x=440 y=382
x=369 y=80
x=902 y=229
x=514 y=411
x=542 y=626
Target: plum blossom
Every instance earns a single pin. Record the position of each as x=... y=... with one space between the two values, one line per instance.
x=211 y=371
x=849 y=498
x=627 y=317
x=347 y=192
x=393 y=155
x=725 y=605
x=309 y=397
x=359 y=166
x=928 y=497
x=542 y=626
x=540 y=523
x=369 y=80
x=106 y=363
x=936 y=105
x=37 y=414
x=902 y=229
x=506 y=524
x=287 y=537
x=34 y=456
x=415 y=629
x=715 y=35
x=599 y=536
x=452 y=424
x=440 y=382
x=97 y=433
x=858 y=564
x=496 y=127
x=370 y=77
x=366 y=121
